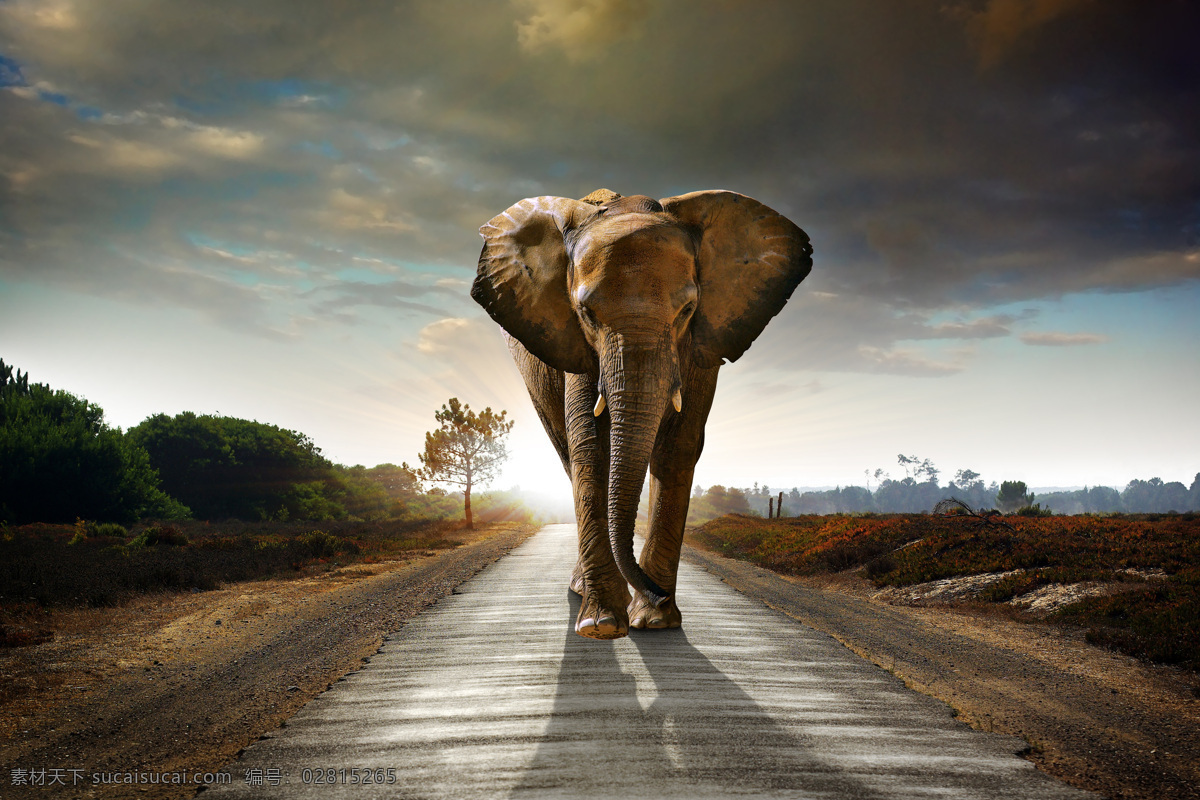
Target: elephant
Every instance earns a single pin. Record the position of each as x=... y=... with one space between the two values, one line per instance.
x=619 y=312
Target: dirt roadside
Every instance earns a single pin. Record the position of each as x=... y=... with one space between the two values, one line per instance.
x=1096 y=719
x=182 y=683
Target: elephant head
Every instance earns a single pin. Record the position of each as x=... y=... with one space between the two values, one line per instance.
x=635 y=291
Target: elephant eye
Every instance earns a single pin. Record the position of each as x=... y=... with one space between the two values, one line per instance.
x=687 y=310
x=588 y=316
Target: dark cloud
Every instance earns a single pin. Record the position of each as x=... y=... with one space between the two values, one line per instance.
x=944 y=157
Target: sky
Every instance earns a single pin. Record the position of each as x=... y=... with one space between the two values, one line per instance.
x=269 y=209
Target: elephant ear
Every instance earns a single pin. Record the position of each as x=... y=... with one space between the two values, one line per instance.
x=522 y=279
x=749 y=259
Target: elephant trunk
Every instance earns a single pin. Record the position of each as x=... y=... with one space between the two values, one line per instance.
x=637 y=396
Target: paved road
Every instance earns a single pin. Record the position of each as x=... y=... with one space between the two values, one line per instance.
x=491 y=694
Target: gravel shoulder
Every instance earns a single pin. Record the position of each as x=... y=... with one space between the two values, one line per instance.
x=182 y=683
x=1095 y=719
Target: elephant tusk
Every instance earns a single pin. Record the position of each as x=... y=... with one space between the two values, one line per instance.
x=677 y=400
x=599 y=409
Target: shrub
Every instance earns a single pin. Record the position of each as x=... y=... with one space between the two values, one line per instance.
x=224 y=467
x=320 y=544
x=1034 y=510
x=880 y=566
x=164 y=535
x=111 y=529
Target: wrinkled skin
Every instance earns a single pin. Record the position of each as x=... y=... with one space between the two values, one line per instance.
x=619 y=312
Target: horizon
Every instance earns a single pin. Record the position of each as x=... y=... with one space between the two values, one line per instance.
x=556 y=497
x=1001 y=199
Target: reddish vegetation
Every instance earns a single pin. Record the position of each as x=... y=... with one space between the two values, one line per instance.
x=1157 y=620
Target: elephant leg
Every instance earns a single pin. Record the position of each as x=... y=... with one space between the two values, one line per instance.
x=672 y=466
x=605 y=595
x=546 y=388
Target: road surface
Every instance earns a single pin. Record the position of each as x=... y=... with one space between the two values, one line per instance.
x=491 y=694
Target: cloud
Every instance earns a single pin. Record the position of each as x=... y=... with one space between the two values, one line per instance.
x=1053 y=339
x=449 y=335
x=219 y=142
x=1001 y=24
x=582 y=31
x=1055 y=272
x=387 y=133
x=355 y=213
x=983 y=328
x=469 y=356
x=342 y=297
x=905 y=362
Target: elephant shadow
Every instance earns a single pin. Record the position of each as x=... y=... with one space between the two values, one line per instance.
x=680 y=727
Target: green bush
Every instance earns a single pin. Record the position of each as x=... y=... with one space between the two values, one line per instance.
x=164 y=535
x=224 y=467
x=320 y=544
x=1034 y=510
x=111 y=529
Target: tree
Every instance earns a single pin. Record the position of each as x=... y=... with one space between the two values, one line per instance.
x=968 y=487
x=60 y=461
x=466 y=450
x=1013 y=495
x=400 y=483
x=727 y=501
x=967 y=479
x=1155 y=496
x=228 y=467
x=917 y=469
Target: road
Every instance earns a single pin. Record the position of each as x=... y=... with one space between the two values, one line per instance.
x=491 y=694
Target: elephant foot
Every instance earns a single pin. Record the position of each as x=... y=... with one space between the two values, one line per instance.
x=606 y=627
x=577 y=584
x=644 y=616
x=603 y=620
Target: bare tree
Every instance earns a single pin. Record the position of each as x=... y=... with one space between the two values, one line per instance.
x=956 y=509
x=466 y=450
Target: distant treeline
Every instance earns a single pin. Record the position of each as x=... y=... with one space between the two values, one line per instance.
x=908 y=495
x=60 y=462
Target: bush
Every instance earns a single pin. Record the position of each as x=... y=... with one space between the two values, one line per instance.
x=1159 y=623
x=880 y=566
x=112 y=530
x=164 y=535
x=320 y=544
x=1034 y=510
x=224 y=467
